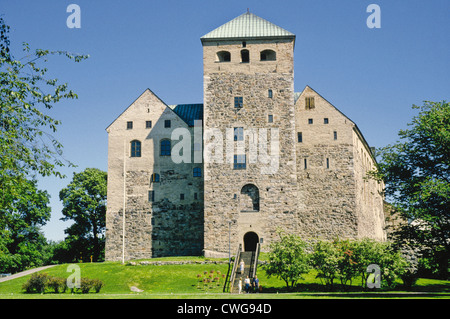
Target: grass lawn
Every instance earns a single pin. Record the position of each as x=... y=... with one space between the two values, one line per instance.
x=180 y=281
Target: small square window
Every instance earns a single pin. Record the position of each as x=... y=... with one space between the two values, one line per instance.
x=238 y=133
x=181 y=196
x=325 y=120
x=130 y=125
x=148 y=124
x=197 y=172
x=299 y=137
x=310 y=121
x=238 y=101
x=167 y=124
x=239 y=162
x=270 y=118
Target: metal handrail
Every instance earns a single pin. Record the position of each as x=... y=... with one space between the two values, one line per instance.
x=255 y=260
x=233 y=272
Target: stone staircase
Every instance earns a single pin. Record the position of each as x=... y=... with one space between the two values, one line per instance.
x=249 y=259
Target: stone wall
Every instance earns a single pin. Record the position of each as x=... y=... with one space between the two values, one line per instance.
x=166 y=224
x=252 y=81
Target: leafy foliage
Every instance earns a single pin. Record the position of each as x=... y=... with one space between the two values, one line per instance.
x=27 y=149
x=288 y=259
x=416 y=171
x=84 y=202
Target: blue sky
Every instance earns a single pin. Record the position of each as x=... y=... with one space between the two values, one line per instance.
x=372 y=75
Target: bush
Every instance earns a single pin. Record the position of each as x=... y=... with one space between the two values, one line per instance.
x=58 y=284
x=85 y=285
x=97 y=284
x=36 y=283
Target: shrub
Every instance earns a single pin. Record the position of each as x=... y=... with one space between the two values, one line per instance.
x=85 y=285
x=97 y=284
x=288 y=259
x=58 y=284
x=36 y=283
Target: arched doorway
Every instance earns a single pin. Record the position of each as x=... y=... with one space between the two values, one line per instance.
x=250 y=241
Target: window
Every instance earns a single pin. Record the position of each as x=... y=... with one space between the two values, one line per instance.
x=151 y=196
x=197 y=172
x=154 y=178
x=245 y=56
x=244 y=44
x=130 y=125
x=249 y=199
x=306 y=163
x=268 y=55
x=238 y=101
x=181 y=196
x=167 y=123
x=238 y=133
x=195 y=196
x=165 y=148
x=299 y=137
x=328 y=163
x=239 y=162
x=148 y=124
x=309 y=103
x=135 y=148
x=310 y=121
x=270 y=93
x=270 y=119
x=223 y=56
x=335 y=135
x=325 y=120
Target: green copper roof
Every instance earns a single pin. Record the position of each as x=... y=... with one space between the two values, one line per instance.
x=247 y=25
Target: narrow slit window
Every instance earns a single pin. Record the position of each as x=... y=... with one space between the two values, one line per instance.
x=335 y=135
x=151 y=196
x=270 y=119
x=238 y=101
x=306 y=163
x=299 y=137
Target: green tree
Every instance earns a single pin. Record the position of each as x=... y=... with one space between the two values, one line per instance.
x=416 y=172
x=22 y=245
x=84 y=202
x=288 y=259
x=27 y=149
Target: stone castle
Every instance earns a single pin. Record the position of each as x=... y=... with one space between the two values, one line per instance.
x=256 y=156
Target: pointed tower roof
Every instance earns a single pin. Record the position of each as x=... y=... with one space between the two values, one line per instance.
x=247 y=25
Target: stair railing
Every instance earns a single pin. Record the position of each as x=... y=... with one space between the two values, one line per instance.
x=236 y=263
x=255 y=261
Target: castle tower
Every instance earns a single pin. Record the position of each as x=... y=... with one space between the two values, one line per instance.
x=248 y=113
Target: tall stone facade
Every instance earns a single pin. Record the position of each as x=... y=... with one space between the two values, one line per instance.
x=265 y=158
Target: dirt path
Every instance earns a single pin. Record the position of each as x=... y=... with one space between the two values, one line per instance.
x=24 y=273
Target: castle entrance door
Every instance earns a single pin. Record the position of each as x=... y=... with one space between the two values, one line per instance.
x=250 y=241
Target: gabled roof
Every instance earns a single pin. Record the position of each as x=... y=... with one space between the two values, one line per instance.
x=247 y=25
x=189 y=112
x=355 y=127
